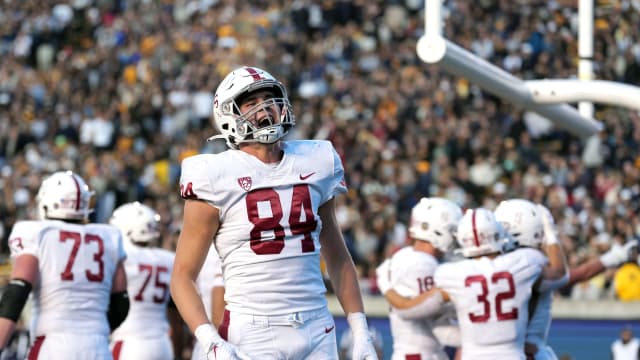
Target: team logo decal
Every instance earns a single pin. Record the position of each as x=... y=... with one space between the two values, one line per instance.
x=245 y=183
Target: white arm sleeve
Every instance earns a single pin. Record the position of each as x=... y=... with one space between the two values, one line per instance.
x=428 y=308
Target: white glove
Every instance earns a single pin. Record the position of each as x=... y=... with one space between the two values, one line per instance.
x=363 y=348
x=549 y=226
x=383 y=277
x=618 y=254
x=215 y=346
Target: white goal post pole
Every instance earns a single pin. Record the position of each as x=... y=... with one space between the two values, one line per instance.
x=460 y=62
x=585 y=50
x=554 y=91
x=433 y=18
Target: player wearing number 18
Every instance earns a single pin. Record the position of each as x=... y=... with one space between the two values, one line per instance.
x=75 y=270
x=409 y=272
x=268 y=205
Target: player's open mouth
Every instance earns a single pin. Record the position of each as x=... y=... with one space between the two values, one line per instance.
x=264 y=122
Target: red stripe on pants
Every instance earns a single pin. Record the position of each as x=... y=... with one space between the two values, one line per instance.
x=223 y=328
x=117 y=347
x=35 y=349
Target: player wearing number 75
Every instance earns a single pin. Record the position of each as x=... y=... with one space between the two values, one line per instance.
x=75 y=270
x=144 y=335
x=268 y=207
x=490 y=290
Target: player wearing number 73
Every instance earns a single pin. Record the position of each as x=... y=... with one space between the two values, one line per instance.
x=268 y=206
x=76 y=273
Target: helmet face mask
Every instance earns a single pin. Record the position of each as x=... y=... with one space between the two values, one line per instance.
x=138 y=223
x=522 y=221
x=236 y=126
x=64 y=196
x=479 y=233
x=434 y=220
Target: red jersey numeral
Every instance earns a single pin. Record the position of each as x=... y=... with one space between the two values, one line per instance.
x=510 y=293
x=89 y=239
x=158 y=283
x=425 y=283
x=302 y=220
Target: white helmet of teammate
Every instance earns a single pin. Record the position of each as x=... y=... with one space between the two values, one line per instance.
x=138 y=223
x=434 y=220
x=522 y=220
x=64 y=195
x=238 y=128
x=479 y=233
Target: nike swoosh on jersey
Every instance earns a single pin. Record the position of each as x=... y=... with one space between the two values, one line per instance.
x=328 y=330
x=305 y=177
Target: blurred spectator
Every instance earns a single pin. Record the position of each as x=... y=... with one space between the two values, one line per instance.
x=118 y=91
x=627 y=280
x=627 y=347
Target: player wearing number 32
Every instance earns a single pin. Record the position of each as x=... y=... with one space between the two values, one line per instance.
x=75 y=270
x=268 y=205
x=490 y=290
x=144 y=335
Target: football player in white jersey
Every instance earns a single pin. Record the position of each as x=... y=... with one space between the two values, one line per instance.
x=490 y=290
x=532 y=226
x=75 y=270
x=409 y=272
x=211 y=287
x=145 y=332
x=269 y=207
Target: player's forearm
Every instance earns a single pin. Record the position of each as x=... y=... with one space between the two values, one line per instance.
x=557 y=262
x=401 y=302
x=340 y=267
x=7 y=327
x=430 y=303
x=185 y=296
x=585 y=271
x=345 y=285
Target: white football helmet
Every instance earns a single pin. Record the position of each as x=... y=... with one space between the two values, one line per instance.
x=434 y=220
x=237 y=128
x=64 y=195
x=522 y=221
x=138 y=223
x=479 y=233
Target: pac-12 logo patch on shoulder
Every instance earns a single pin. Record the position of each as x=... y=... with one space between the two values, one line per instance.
x=245 y=183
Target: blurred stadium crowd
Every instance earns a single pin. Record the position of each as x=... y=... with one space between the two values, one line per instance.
x=121 y=91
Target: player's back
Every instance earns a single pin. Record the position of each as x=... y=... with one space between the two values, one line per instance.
x=76 y=264
x=148 y=274
x=491 y=298
x=411 y=273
